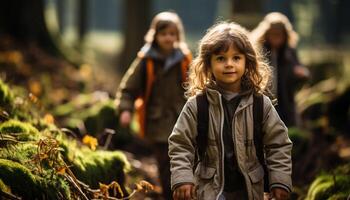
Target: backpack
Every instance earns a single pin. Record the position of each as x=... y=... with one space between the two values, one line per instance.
x=203 y=123
x=141 y=102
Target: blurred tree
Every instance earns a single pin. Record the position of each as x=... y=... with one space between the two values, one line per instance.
x=136 y=24
x=247 y=6
x=82 y=20
x=60 y=14
x=247 y=13
x=24 y=20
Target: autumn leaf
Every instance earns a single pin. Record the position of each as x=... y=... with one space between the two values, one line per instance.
x=146 y=186
x=90 y=141
x=48 y=118
x=35 y=87
x=104 y=189
x=61 y=170
x=33 y=98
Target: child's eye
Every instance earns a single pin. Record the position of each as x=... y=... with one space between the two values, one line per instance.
x=220 y=58
x=236 y=58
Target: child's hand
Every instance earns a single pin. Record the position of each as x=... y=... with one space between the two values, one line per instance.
x=279 y=194
x=125 y=118
x=184 y=192
x=301 y=72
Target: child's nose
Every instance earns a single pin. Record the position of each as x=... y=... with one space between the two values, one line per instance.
x=230 y=63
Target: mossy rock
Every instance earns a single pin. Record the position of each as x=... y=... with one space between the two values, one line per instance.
x=24 y=184
x=100 y=167
x=22 y=130
x=21 y=153
x=331 y=186
x=96 y=118
x=94 y=167
x=85 y=110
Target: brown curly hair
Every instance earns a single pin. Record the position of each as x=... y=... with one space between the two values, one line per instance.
x=218 y=39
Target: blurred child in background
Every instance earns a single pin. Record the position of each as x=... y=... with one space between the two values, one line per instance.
x=154 y=85
x=276 y=35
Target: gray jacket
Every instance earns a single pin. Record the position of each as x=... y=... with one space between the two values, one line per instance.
x=208 y=177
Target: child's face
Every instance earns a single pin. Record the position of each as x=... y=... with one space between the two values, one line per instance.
x=228 y=68
x=167 y=37
x=275 y=37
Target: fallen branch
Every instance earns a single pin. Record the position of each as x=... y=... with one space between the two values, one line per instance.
x=8 y=196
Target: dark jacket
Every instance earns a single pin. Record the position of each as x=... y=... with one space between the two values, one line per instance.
x=166 y=97
x=287 y=83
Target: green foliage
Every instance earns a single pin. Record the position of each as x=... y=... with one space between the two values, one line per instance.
x=334 y=186
x=22 y=130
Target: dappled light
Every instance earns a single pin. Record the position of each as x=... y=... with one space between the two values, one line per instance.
x=93 y=96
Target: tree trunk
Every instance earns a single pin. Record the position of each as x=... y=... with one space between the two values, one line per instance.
x=24 y=20
x=247 y=6
x=82 y=20
x=136 y=24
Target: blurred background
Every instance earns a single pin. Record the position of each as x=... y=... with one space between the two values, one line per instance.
x=67 y=57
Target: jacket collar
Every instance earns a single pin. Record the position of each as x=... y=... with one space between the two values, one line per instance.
x=214 y=97
x=175 y=57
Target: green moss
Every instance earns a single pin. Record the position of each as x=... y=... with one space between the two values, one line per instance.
x=96 y=111
x=330 y=186
x=18 y=178
x=23 y=131
x=341 y=196
x=94 y=167
x=100 y=166
x=20 y=153
x=96 y=117
x=6 y=96
x=24 y=184
x=54 y=187
x=4 y=187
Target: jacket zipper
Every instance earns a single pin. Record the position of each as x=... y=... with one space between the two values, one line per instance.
x=222 y=149
x=235 y=147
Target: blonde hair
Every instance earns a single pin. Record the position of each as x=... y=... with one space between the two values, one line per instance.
x=163 y=20
x=217 y=39
x=258 y=35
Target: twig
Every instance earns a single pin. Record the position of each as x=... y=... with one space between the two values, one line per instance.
x=71 y=180
x=8 y=195
x=110 y=133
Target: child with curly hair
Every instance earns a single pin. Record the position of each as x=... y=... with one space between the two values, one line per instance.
x=228 y=71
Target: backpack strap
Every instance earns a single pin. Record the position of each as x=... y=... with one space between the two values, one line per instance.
x=184 y=66
x=202 y=124
x=142 y=101
x=258 y=111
